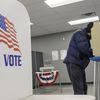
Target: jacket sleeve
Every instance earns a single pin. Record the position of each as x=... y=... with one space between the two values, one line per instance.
x=83 y=44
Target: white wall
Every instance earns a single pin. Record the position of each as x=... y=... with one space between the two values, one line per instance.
x=55 y=42
x=16 y=77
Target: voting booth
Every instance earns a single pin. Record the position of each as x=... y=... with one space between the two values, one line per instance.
x=96 y=51
x=15 y=51
x=96 y=38
x=15 y=54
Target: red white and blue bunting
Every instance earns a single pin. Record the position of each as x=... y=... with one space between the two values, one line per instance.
x=47 y=77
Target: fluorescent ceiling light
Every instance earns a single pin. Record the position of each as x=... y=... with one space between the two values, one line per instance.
x=85 y=20
x=56 y=3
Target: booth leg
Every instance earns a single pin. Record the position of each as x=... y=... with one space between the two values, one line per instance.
x=96 y=80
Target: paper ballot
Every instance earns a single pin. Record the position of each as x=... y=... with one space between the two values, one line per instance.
x=55 y=55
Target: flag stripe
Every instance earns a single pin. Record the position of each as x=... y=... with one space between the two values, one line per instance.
x=10 y=31
x=10 y=27
x=10 y=46
x=9 y=21
x=9 y=24
x=16 y=49
x=13 y=36
x=9 y=41
x=8 y=35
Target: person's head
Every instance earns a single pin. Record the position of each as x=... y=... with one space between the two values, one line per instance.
x=88 y=29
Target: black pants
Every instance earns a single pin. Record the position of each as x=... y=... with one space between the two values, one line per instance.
x=78 y=78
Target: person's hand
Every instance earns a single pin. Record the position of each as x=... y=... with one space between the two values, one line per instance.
x=93 y=55
x=91 y=52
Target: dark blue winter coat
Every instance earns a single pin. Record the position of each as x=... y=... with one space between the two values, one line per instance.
x=79 y=48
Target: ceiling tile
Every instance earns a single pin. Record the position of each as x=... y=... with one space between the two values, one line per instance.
x=52 y=20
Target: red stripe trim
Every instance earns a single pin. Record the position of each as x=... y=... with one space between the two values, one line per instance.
x=46 y=74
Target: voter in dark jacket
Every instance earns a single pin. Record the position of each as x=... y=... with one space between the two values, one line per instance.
x=77 y=58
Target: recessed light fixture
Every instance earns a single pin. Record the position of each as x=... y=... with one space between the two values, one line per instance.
x=63 y=38
x=85 y=20
x=31 y=23
x=56 y=3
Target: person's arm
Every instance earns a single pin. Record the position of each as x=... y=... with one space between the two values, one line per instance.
x=83 y=44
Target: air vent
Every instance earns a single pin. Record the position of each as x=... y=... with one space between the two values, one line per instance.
x=89 y=14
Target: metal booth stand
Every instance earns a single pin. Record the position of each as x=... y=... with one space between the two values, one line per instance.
x=96 y=76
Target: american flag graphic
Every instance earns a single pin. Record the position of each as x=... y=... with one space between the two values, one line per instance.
x=8 y=34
